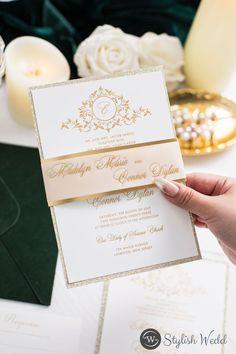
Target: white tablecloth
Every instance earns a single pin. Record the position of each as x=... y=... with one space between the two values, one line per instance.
x=84 y=302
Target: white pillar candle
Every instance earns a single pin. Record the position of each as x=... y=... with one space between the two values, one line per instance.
x=210 y=50
x=31 y=61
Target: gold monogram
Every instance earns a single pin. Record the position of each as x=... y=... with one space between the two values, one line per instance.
x=104 y=110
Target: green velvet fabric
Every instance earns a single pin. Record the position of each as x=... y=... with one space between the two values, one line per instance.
x=28 y=251
x=66 y=23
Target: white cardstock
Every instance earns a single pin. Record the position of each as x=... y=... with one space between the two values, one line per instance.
x=123 y=233
x=33 y=333
x=186 y=304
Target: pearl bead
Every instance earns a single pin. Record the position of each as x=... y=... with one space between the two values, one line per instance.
x=185 y=110
x=195 y=115
x=177 y=112
x=202 y=116
x=209 y=114
x=199 y=130
x=185 y=136
x=179 y=130
x=179 y=120
x=186 y=117
x=193 y=135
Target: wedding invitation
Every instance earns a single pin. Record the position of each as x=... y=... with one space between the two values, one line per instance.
x=102 y=142
x=33 y=333
x=185 y=307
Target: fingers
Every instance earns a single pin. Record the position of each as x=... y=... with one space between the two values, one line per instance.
x=186 y=198
x=209 y=184
x=200 y=224
x=198 y=221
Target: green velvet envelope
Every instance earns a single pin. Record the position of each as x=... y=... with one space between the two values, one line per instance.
x=28 y=250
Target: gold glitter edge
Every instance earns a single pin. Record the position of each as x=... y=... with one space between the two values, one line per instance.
x=98 y=77
x=134 y=271
x=101 y=318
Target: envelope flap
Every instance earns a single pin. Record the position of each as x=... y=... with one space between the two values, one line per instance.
x=30 y=242
x=10 y=209
x=13 y=285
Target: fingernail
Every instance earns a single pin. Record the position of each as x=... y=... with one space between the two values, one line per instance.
x=166 y=186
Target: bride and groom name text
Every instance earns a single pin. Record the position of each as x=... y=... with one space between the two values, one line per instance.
x=116 y=163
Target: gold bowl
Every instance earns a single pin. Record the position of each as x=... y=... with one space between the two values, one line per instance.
x=205 y=122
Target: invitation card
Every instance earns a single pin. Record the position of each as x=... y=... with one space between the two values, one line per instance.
x=185 y=307
x=102 y=142
x=28 y=333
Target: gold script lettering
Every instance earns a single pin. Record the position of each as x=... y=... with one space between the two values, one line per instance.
x=104 y=107
x=110 y=161
x=123 y=176
x=63 y=169
x=163 y=170
x=100 y=201
x=139 y=194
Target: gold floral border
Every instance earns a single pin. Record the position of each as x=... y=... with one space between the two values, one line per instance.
x=89 y=120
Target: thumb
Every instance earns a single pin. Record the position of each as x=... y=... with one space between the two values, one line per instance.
x=185 y=197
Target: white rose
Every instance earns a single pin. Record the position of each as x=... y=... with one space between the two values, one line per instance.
x=163 y=50
x=107 y=50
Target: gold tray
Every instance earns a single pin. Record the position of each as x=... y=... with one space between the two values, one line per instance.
x=220 y=115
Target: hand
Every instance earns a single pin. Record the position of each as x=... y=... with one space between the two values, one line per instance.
x=212 y=201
